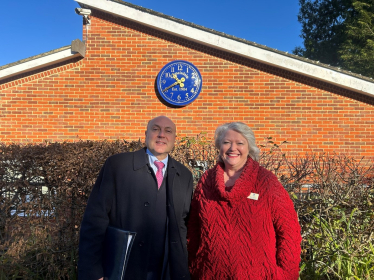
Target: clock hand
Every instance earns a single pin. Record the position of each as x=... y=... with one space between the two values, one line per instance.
x=180 y=82
x=170 y=86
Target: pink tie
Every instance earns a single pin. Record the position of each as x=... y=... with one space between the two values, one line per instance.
x=159 y=175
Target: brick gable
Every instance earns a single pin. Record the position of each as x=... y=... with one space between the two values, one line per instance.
x=111 y=94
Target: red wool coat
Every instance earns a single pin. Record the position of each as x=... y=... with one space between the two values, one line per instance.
x=232 y=236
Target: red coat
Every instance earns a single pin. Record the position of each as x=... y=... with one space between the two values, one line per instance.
x=234 y=237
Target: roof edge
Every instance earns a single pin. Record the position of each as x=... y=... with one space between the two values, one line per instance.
x=231 y=44
x=76 y=49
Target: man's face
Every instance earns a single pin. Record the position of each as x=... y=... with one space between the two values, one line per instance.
x=160 y=137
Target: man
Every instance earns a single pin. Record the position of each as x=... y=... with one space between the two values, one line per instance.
x=133 y=194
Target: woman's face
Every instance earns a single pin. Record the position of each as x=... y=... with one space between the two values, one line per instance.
x=234 y=150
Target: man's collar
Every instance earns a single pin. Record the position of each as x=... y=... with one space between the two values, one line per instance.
x=153 y=158
x=141 y=159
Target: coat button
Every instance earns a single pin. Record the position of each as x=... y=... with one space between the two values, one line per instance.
x=146 y=204
x=141 y=244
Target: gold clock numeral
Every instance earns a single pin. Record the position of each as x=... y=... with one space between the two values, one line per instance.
x=180 y=67
x=179 y=97
x=187 y=95
x=192 y=90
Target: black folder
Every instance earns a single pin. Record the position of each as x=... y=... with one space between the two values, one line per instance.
x=117 y=247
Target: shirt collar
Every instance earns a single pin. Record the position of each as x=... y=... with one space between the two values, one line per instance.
x=152 y=159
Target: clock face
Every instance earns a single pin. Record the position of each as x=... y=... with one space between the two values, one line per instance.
x=179 y=82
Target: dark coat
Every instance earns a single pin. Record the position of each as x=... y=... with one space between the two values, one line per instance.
x=120 y=198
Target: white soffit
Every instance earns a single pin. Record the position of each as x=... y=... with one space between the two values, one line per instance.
x=229 y=45
x=39 y=62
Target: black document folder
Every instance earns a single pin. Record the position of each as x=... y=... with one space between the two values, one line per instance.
x=117 y=247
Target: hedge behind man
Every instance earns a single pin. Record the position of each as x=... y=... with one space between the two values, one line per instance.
x=149 y=193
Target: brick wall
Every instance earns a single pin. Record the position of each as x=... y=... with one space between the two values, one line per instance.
x=111 y=94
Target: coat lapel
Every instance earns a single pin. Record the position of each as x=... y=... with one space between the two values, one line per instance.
x=172 y=175
x=140 y=159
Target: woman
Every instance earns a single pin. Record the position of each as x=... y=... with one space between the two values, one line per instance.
x=242 y=221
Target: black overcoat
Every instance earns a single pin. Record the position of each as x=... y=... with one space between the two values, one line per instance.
x=120 y=198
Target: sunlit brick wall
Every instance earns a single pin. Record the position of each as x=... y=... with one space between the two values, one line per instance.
x=111 y=94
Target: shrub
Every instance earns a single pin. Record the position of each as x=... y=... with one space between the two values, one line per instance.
x=44 y=189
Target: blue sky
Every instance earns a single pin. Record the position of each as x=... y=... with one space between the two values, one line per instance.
x=29 y=28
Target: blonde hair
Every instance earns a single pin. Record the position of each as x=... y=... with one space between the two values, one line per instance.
x=244 y=130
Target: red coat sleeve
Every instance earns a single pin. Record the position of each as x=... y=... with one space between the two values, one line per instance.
x=288 y=233
x=194 y=228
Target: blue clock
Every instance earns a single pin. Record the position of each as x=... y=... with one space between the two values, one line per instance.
x=179 y=82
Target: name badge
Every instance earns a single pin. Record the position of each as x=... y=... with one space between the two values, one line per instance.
x=253 y=196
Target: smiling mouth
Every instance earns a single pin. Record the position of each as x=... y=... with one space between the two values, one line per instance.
x=232 y=155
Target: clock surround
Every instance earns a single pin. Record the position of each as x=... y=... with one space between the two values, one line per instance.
x=179 y=82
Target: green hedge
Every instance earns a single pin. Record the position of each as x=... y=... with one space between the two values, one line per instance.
x=44 y=189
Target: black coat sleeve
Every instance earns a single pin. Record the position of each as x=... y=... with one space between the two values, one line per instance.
x=186 y=208
x=94 y=225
